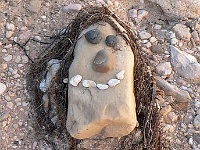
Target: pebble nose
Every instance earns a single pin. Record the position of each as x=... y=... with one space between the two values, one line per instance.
x=103 y=61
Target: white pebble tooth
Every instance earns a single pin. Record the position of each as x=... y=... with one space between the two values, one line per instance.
x=75 y=80
x=102 y=86
x=88 y=83
x=120 y=75
x=113 y=82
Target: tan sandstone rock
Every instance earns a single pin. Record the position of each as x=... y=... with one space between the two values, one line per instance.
x=110 y=112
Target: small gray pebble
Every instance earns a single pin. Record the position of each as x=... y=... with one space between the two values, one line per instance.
x=111 y=40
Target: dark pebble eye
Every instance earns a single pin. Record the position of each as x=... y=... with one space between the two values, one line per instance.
x=93 y=36
x=111 y=40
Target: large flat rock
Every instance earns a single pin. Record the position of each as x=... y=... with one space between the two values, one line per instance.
x=180 y=8
x=185 y=64
x=91 y=111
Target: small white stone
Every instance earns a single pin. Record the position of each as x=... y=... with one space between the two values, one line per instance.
x=113 y=82
x=2 y=88
x=37 y=38
x=9 y=34
x=102 y=86
x=7 y=58
x=43 y=17
x=65 y=80
x=8 y=46
x=10 y=105
x=152 y=39
x=18 y=101
x=191 y=141
x=15 y=39
x=4 y=50
x=157 y=26
x=75 y=80
x=10 y=27
x=4 y=66
x=72 y=7
x=172 y=35
x=168 y=128
x=148 y=45
x=24 y=59
x=88 y=83
x=120 y=75
x=144 y=35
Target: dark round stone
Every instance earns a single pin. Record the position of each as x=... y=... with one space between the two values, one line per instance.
x=111 y=40
x=93 y=36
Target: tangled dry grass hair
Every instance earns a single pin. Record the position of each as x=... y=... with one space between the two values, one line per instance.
x=62 y=48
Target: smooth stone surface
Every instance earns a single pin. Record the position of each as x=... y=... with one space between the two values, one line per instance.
x=93 y=36
x=180 y=9
x=95 y=112
x=89 y=83
x=182 y=32
x=185 y=64
x=102 y=86
x=164 y=69
x=103 y=61
x=113 y=82
x=172 y=90
x=111 y=41
x=2 y=88
x=75 y=80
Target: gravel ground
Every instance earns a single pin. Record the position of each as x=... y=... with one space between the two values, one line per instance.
x=21 y=20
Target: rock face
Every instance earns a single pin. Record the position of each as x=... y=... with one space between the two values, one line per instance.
x=106 y=112
x=185 y=64
x=181 y=8
x=103 y=61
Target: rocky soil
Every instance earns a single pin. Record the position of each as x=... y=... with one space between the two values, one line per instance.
x=173 y=46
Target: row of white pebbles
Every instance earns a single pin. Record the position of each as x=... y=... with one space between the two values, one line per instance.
x=89 y=83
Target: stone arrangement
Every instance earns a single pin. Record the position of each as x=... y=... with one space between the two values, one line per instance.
x=21 y=20
x=101 y=101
